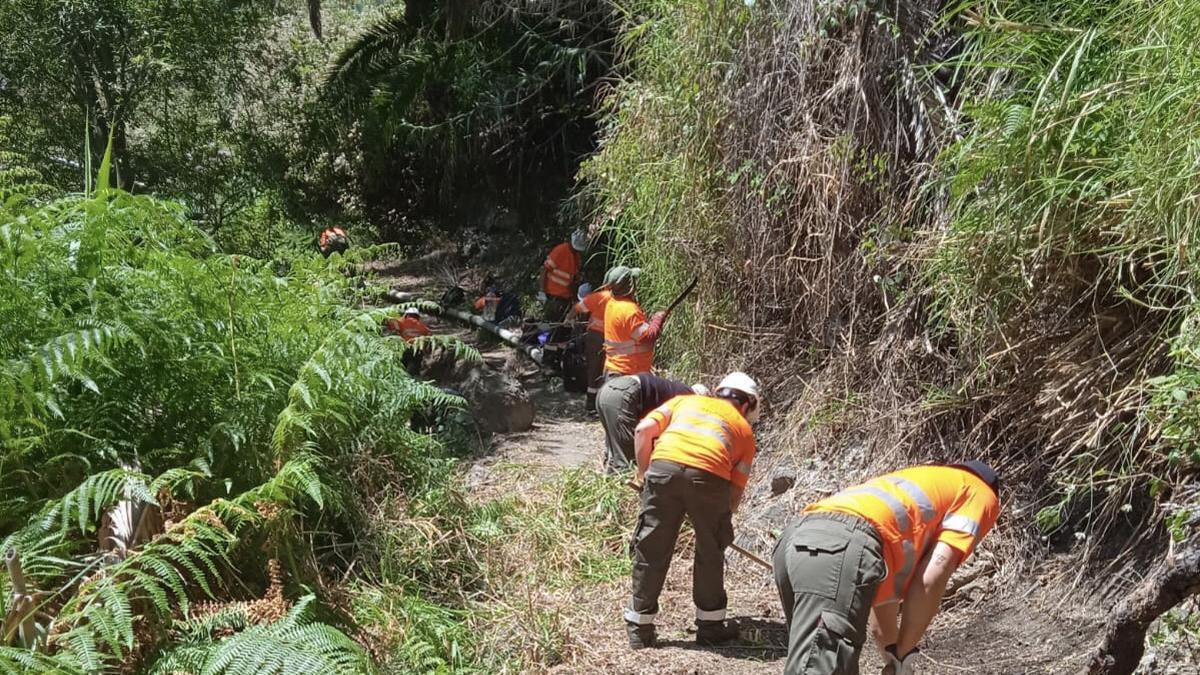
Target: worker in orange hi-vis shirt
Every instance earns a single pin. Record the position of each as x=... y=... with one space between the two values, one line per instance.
x=409 y=327
x=592 y=305
x=560 y=272
x=333 y=240
x=628 y=337
x=695 y=454
x=860 y=556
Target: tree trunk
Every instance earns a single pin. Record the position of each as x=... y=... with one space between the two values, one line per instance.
x=1125 y=635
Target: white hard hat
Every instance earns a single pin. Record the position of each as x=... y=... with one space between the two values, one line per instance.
x=579 y=240
x=699 y=389
x=584 y=289
x=412 y=311
x=740 y=381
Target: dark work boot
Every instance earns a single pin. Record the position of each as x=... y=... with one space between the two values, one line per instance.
x=641 y=636
x=715 y=632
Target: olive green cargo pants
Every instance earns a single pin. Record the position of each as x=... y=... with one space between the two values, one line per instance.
x=619 y=402
x=827 y=567
x=593 y=351
x=671 y=491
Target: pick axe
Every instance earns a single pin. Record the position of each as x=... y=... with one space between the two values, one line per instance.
x=763 y=563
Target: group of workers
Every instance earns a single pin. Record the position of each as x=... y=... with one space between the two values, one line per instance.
x=874 y=557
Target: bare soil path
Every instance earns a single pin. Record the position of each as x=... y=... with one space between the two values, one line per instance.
x=1015 y=626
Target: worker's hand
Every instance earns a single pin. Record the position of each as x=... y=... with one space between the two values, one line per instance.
x=541 y=296
x=659 y=316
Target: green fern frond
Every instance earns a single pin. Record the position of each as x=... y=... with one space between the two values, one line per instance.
x=293 y=644
x=16 y=661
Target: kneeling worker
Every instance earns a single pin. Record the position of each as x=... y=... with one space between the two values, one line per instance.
x=860 y=553
x=695 y=454
x=623 y=401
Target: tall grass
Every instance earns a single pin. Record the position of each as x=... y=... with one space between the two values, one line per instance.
x=657 y=180
x=1071 y=238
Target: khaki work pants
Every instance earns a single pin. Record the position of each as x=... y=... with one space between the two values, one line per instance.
x=827 y=567
x=593 y=351
x=619 y=403
x=672 y=491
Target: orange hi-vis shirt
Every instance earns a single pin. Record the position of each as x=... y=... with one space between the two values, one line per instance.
x=561 y=267
x=409 y=328
x=706 y=433
x=329 y=233
x=913 y=509
x=594 y=304
x=626 y=351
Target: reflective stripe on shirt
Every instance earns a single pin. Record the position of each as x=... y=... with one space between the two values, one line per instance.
x=960 y=523
x=625 y=348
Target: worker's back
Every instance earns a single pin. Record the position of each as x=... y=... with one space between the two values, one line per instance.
x=707 y=433
x=594 y=304
x=912 y=509
x=562 y=265
x=625 y=350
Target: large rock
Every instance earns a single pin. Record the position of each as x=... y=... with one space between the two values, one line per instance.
x=498 y=401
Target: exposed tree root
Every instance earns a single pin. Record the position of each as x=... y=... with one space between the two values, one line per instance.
x=1125 y=636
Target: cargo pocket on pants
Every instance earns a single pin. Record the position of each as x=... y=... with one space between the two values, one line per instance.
x=831 y=650
x=818 y=557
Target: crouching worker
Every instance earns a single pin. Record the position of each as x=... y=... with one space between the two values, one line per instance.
x=333 y=240
x=872 y=550
x=623 y=401
x=694 y=453
x=410 y=327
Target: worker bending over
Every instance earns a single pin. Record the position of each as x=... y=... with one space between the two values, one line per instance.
x=694 y=453
x=333 y=240
x=628 y=338
x=409 y=326
x=870 y=551
x=623 y=401
x=591 y=305
x=560 y=273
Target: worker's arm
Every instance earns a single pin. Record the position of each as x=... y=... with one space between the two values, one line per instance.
x=651 y=330
x=644 y=435
x=883 y=624
x=924 y=596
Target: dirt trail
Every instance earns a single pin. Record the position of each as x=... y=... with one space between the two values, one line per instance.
x=1025 y=627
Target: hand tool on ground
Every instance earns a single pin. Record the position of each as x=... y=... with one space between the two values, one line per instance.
x=638 y=488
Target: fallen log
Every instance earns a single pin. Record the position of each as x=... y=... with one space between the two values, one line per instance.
x=510 y=338
x=1124 y=640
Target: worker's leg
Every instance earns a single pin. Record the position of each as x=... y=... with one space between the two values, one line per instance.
x=613 y=403
x=555 y=310
x=653 y=540
x=707 y=504
x=593 y=349
x=827 y=568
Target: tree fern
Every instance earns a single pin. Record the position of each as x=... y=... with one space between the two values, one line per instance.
x=292 y=645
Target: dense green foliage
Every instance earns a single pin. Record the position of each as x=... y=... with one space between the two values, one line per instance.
x=463 y=113
x=229 y=392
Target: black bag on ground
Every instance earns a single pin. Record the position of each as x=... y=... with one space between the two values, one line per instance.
x=574 y=367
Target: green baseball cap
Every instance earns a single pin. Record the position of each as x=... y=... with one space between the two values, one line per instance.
x=621 y=275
